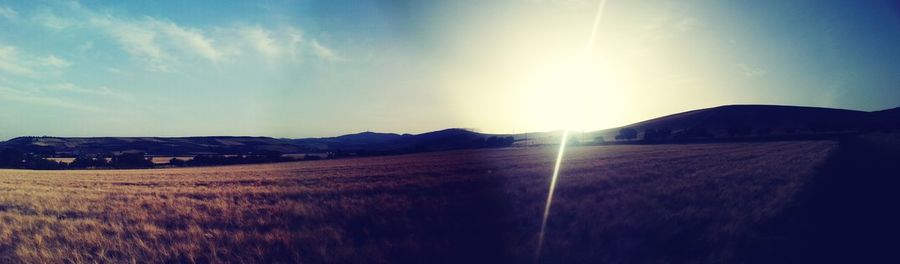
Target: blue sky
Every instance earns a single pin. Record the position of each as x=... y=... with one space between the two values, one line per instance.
x=324 y=68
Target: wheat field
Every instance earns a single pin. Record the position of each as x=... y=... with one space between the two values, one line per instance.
x=698 y=202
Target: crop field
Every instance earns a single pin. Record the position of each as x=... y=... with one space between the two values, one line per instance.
x=645 y=203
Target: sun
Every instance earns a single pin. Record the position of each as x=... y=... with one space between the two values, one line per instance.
x=573 y=94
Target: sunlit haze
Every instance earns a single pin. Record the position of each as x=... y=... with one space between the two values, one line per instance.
x=324 y=68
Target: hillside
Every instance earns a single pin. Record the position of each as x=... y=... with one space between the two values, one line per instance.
x=888 y=118
x=614 y=204
x=765 y=120
x=362 y=143
x=386 y=143
x=723 y=122
x=150 y=145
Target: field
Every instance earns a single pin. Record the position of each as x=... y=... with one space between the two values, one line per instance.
x=650 y=203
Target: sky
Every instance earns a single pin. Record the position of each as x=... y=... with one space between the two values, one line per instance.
x=325 y=68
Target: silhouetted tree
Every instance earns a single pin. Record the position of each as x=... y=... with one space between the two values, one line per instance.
x=694 y=132
x=664 y=132
x=494 y=142
x=131 y=160
x=39 y=163
x=650 y=134
x=506 y=141
x=272 y=156
x=11 y=158
x=627 y=134
x=261 y=157
x=88 y=162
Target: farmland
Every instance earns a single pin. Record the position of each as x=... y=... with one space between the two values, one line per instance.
x=622 y=203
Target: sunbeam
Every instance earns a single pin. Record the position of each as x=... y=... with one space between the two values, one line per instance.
x=562 y=143
x=559 y=156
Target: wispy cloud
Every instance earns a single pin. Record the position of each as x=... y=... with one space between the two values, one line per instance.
x=750 y=71
x=294 y=40
x=52 y=21
x=85 y=47
x=12 y=94
x=189 y=39
x=323 y=52
x=260 y=39
x=26 y=77
x=12 y=62
x=276 y=44
x=100 y=91
x=56 y=62
x=165 y=46
x=8 y=13
x=138 y=40
x=113 y=70
x=159 y=44
x=18 y=63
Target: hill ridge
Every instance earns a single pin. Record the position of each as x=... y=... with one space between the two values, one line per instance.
x=723 y=120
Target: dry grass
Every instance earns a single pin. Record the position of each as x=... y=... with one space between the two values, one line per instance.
x=614 y=204
x=63 y=160
x=165 y=160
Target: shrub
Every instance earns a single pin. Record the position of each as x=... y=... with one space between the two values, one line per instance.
x=88 y=162
x=626 y=134
x=131 y=160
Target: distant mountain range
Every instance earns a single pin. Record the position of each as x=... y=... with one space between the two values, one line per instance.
x=723 y=121
x=366 y=143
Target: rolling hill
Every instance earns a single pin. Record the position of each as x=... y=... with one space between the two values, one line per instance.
x=150 y=145
x=888 y=118
x=764 y=120
x=745 y=121
x=366 y=143
x=386 y=143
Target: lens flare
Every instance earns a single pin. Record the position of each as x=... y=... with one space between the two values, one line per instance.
x=562 y=144
x=559 y=156
x=593 y=37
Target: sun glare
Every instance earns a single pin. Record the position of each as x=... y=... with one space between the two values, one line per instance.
x=573 y=94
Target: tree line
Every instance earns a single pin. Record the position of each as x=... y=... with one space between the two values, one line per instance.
x=695 y=133
x=14 y=159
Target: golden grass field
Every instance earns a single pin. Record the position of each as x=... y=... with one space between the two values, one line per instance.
x=155 y=160
x=697 y=202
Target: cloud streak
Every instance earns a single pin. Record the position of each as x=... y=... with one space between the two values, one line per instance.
x=8 y=13
x=165 y=46
x=323 y=52
x=261 y=40
x=99 y=91
x=11 y=62
x=140 y=41
x=11 y=94
x=56 y=62
x=15 y=62
x=750 y=71
x=52 y=21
